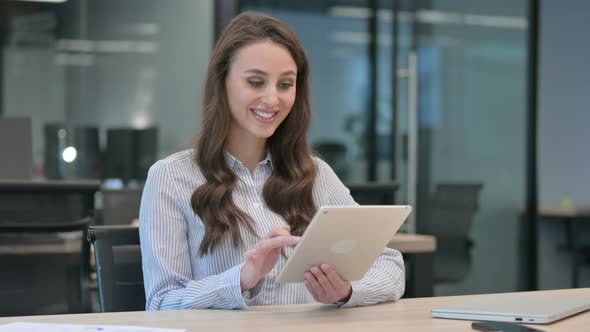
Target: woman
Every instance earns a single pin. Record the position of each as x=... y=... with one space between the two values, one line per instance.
x=215 y=220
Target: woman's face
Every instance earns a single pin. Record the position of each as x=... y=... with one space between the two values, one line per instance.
x=260 y=89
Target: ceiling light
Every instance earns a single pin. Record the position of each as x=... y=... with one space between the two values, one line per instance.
x=52 y=1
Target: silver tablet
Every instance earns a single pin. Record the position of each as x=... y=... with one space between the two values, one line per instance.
x=350 y=238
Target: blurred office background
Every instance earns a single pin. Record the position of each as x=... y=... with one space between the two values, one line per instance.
x=433 y=95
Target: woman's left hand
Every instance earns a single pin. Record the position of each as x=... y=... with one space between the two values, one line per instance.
x=326 y=286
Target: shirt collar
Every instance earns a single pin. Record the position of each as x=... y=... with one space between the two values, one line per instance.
x=233 y=162
x=267 y=159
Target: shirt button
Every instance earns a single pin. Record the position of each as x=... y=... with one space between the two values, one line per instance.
x=256 y=205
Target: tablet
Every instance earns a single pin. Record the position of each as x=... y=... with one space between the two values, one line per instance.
x=350 y=238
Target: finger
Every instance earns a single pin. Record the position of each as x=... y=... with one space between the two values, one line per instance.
x=333 y=276
x=323 y=280
x=278 y=242
x=311 y=290
x=276 y=231
x=315 y=285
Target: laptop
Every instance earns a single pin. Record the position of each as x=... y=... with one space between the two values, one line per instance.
x=511 y=307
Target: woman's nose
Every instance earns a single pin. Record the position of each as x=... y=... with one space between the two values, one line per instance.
x=271 y=97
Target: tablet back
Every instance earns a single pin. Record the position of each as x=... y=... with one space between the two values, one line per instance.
x=350 y=238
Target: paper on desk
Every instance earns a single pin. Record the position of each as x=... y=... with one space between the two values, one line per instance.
x=43 y=327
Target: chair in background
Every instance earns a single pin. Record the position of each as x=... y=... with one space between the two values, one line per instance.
x=49 y=263
x=373 y=193
x=453 y=208
x=118 y=266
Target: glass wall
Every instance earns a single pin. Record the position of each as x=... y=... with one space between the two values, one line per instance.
x=118 y=81
x=451 y=110
x=472 y=68
x=110 y=86
x=337 y=49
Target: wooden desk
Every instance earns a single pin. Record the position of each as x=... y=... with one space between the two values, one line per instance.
x=69 y=247
x=413 y=243
x=563 y=212
x=418 y=251
x=407 y=315
x=405 y=243
x=570 y=216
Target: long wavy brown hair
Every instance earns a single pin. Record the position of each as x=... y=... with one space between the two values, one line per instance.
x=288 y=191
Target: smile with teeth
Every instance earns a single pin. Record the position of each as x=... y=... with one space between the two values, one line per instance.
x=264 y=115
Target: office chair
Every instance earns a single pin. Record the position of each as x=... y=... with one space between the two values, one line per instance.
x=48 y=271
x=118 y=267
x=373 y=193
x=453 y=208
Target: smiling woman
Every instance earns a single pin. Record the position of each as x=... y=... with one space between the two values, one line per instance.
x=260 y=98
x=216 y=219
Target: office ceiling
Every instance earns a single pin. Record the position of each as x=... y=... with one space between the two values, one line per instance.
x=320 y=6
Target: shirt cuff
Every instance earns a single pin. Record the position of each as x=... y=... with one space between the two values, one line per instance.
x=230 y=288
x=357 y=296
x=251 y=294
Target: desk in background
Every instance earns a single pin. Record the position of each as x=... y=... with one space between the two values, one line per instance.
x=570 y=216
x=406 y=315
x=37 y=219
x=418 y=251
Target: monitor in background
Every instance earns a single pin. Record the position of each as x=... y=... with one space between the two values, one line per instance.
x=146 y=148
x=16 y=148
x=84 y=164
x=88 y=160
x=119 y=157
x=130 y=153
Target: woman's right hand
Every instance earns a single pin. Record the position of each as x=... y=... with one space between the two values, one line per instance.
x=260 y=260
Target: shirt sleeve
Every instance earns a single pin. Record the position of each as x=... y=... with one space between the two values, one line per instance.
x=385 y=281
x=165 y=255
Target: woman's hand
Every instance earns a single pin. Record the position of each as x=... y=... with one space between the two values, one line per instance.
x=326 y=286
x=258 y=262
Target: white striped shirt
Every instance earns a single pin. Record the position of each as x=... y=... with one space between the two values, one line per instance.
x=177 y=277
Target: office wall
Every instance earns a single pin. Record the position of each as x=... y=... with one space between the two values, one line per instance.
x=146 y=68
x=480 y=134
x=339 y=71
x=473 y=89
x=33 y=87
x=161 y=87
x=564 y=119
x=564 y=111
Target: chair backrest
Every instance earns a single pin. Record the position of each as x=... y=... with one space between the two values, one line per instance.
x=33 y=214
x=118 y=267
x=373 y=193
x=453 y=209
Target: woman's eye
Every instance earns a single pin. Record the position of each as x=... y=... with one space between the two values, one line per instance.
x=256 y=83
x=285 y=85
